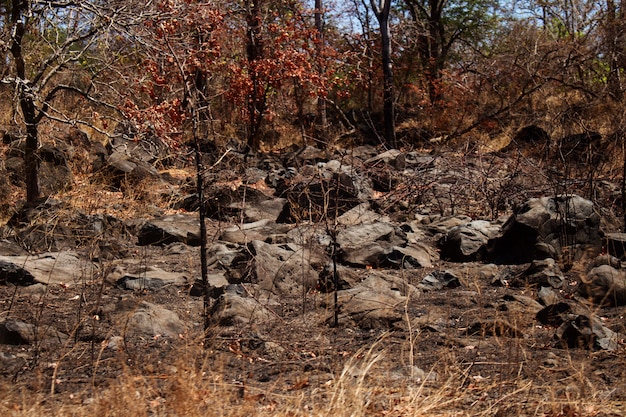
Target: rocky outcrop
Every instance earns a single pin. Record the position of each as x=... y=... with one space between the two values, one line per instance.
x=67 y=268
x=545 y=226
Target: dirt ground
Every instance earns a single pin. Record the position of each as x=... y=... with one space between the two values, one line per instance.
x=517 y=370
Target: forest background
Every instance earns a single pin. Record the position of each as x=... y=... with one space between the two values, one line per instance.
x=263 y=75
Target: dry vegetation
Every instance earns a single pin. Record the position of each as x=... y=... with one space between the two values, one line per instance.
x=296 y=364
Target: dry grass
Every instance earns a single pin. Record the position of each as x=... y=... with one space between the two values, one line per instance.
x=195 y=382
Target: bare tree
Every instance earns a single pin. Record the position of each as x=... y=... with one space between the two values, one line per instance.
x=382 y=10
x=47 y=40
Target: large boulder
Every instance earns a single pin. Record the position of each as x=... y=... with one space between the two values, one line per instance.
x=54 y=171
x=325 y=191
x=377 y=301
x=465 y=243
x=64 y=268
x=367 y=244
x=605 y=285
x=151 y=320
x=184 y=228
x=547 y=227
x=281 y=269
x=234 y=308
x=247 y=232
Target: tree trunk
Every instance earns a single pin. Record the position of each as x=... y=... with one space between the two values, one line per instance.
x=322 y=121
x=254 y=52
x=382 y=14
x=615 y=36
x=26 y=100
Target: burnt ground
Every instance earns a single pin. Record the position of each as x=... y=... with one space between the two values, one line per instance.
x=476 y=349
x=514 y=367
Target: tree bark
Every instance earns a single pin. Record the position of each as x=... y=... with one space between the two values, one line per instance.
x=382 y=14
x=254 y=52
x=322 y=121
x=26 y=100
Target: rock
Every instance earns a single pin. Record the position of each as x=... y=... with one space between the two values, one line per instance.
x=227 y=201
x=151 y=278
x=170 y=229
x=303 y=155
x=217 y=284
x=540 y=273
x=443 y=225
x=325 y=193
x=554 y=314
x=465 y=243
x=281 y=269
x=438 y=280
x=264 y=210
x=604 y=285
x=47 y=268
x=15 y=332
x=233 y=308
x=361 y=214
x=605 y=260
x=586 y=332
x=408 y=257
x=227 y=256
x=120 y=167
x=547 y=296
x=346 y=278
x=12 y=273
x=152 y=320
x=248 y=232
x=547 y=220
x=377 y=301
x=518 y=303
x=366 y=244
x=392 y=157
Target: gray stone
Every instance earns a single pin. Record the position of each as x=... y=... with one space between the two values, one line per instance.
x=65 y=268
x=151 y=278
x=465 y=243
x=359 y=215
x=8 y=248
x=392 y=157
x=438 y=280
x=586 y=332
x=15 y=332
x=547 y=296
x=548 y=220
x=247 y=232
x=268 y=209
x=366 y=244
x=152 y=320
x=355 y=236
x=170 y=229
x=377 y=301
x=282 y=269
x=408 y=257
x=605 y=285
x=540 y=273
x=232 y=309
x=217 y=284
x=445 y=224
